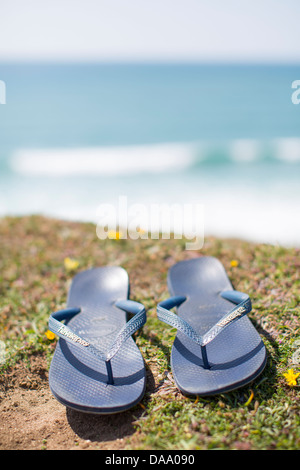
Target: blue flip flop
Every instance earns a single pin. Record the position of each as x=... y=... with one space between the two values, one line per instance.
x=216 y=349
x=97 y=366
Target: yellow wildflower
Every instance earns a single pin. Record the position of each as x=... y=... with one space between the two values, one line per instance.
x=71 y=264
x=291 y=377
x=114 y=235
x=234 y=263
x=250 y=398
x=50 y=335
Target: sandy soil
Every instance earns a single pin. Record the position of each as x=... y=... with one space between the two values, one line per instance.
x=32 y=419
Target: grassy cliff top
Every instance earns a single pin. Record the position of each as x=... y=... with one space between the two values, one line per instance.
x=34 y=280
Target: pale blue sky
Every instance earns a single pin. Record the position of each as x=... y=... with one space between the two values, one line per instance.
x=155 y=30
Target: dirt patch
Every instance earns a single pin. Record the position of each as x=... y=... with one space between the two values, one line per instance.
x=32 y=419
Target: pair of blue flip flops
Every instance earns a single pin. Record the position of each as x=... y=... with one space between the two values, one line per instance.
x=98 y=368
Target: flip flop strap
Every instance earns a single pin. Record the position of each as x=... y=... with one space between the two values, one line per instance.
x=242 y=308
x=137 y=309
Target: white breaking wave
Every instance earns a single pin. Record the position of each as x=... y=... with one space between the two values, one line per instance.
x=104 y=161
x=155 y=158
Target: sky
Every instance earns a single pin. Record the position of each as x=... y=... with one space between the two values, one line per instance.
x=150 y=30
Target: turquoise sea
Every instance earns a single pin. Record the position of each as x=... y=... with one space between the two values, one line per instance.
x=75 y=136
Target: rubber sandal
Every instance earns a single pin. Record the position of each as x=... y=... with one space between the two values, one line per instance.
x=217 y=348
x=97 y=367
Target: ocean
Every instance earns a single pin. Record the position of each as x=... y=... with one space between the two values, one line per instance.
x=76 y=136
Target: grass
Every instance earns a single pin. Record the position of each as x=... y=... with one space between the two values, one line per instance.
x=263 y=415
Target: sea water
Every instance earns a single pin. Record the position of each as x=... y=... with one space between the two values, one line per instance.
x=75 y=136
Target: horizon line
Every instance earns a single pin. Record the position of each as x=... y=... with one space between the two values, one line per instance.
x=120 y=61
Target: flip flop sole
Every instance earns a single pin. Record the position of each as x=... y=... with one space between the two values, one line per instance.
x=77 y=378
x=236 y=356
